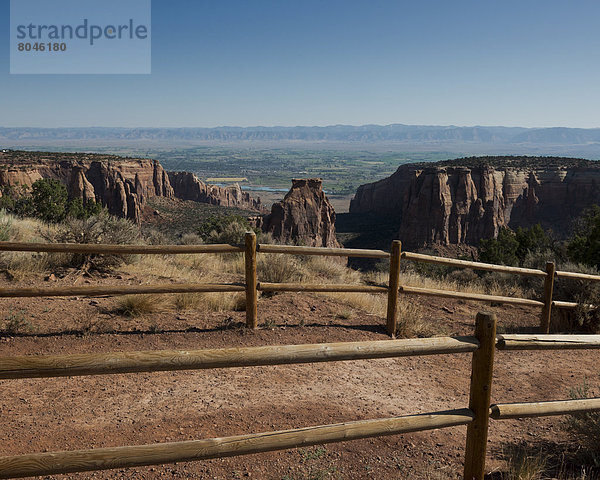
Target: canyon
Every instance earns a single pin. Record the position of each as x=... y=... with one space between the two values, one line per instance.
x=462 y=201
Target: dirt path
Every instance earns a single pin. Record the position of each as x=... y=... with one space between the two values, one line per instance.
x=86 y=412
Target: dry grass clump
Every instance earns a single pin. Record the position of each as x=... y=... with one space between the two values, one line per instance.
x=209 y=263
x=466 y=281
x=203 y=269
x=585 y=426
x=191 y=239
x=333 y=269
x=140 y=304
x=410 y=322
x=373 y=304
x=280 y=268
x=524 y=464
x=19 y=265
x=213 y=302
x=146 y=304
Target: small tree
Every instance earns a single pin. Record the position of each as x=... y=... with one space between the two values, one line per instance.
x=49 y=198
x=77 y=209
x=512 y=248
x=584 y=247
x=531 y=240
x=500 y=250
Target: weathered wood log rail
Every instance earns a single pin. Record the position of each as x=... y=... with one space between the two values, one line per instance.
x=476 y=417
x=252 y=285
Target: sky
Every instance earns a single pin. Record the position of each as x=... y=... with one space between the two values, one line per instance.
x=525 y=63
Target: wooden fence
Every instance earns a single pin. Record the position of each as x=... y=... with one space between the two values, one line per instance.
x=252 y=285
x=482 y=344
x=476 y=416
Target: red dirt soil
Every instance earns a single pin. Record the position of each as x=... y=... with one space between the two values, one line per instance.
x=71 y=413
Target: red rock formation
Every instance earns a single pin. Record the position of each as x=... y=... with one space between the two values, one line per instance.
x=188 y=186
x=122 y=185
x=447 y=203
x=303 y=217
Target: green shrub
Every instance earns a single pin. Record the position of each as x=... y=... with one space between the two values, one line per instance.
x=586 y=317
x=511 y=248
x=16 y=323
x=233 y=233
x=500 y=250
x=77 y=209
x=7 y=199
x=191 y=239
x=102 y=228
x=584 y=247
x=585 y=425
x=6 y=225
x=224 y=229
x=47 y=200
x=156 y=237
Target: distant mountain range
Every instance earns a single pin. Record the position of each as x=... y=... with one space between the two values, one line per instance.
x=345 y=133
x=476 y=140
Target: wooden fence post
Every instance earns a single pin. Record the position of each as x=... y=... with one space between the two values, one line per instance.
x=394 y=285
x=479 y=396
x=548 y=288
x=251 y=280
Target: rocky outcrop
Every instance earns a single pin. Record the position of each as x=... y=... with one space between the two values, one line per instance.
x=121 y=184
x=188 y=186
x=303 y=217
x=462 y=201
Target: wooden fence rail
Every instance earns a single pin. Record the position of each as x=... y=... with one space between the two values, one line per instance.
x=480 y=297
x=35 y=366
x=547 y=342
x=476 y=417
x=489 y=267
x=120 y=290
x=140 y=455
x=322 y=251
x=505 y=411
x=103 y=249
x=305 y=287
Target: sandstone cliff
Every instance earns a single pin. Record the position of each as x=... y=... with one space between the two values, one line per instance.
x=303 y=217
x=121 y=184
x=188 y=186
x=462 y=201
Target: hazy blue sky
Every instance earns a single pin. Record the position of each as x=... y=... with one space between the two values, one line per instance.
x=309 y=62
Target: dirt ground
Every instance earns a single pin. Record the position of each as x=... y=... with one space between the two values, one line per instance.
x=132 y=409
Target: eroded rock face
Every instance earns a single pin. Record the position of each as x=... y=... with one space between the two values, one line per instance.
x=303 y=217
x=448 y=203
x=188 y=186
x=122 y=185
